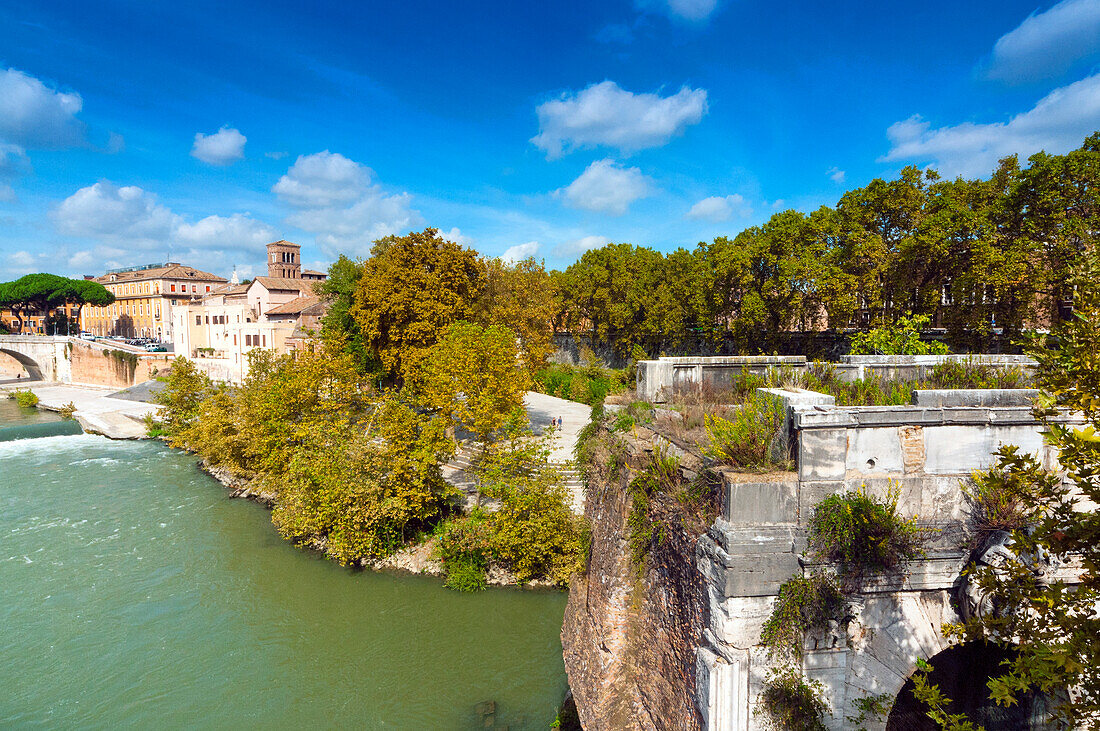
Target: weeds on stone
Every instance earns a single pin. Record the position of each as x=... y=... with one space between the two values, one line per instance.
x=997 y=498
x=27 y=399
x=789 y=701
x=749 y=440
x=67 y=411
x=805 y=603
x=862 y=534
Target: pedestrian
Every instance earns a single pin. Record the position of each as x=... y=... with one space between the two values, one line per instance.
x=559 y=422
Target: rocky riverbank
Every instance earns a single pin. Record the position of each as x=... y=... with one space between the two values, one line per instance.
x=418 y=558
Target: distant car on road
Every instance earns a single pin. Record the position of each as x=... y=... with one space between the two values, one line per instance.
x=87 y=336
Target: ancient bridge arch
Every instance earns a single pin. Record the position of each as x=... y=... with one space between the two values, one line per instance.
x=30 y=365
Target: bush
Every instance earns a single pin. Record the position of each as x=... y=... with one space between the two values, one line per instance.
x=27 y=399
x=901 y=338
x=751 y=439
x=861 y=534
x=586 y=384
x=804 y=603
x=67 y=411
x=1001 y=497
x=789 y=703
x=464 y=552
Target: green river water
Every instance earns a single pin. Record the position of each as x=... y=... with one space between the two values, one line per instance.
x=135 y=594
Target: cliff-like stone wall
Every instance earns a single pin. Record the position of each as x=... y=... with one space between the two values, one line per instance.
x=630 y=632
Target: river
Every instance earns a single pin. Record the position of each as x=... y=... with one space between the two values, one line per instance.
x=135 y=593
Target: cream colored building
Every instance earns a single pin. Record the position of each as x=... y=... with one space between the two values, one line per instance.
x=272 y=312
x=145 y=298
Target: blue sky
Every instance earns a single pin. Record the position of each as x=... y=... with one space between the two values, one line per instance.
x=131 y=132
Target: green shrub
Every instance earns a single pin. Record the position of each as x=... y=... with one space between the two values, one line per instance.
x=588 y=384
x=67 y=411
x=640 y=529
x=751 y=439
x=464 y=552
x=861 y=534
x=790 y=703
x=804 y=603
x=1001 y=497
x=25 y=398
x=901 y=338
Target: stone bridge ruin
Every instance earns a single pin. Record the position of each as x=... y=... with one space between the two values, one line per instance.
x=924 y=451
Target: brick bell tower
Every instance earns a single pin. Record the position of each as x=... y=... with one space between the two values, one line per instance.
x=284 y=260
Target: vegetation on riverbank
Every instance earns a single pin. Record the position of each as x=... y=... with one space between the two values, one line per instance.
x=26 y=398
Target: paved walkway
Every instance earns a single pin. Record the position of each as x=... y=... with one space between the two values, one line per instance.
x=540 y=410
x=96 y=411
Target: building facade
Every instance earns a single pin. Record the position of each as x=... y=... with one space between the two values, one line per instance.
x=35 y=322
x=276 y=312
x=145 y=298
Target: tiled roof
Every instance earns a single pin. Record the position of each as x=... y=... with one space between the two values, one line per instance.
x=285 y=284
x=295 y=306
x=173 y=271
x=314 y=272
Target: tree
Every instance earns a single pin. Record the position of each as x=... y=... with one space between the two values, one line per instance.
x=412 y=288
x=473 y=378
x=41 y=293
x=1054 y=626
x=338 y=292
x=182 y=397
x=521 y=297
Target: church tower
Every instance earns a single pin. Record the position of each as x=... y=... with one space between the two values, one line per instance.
x=284 y=260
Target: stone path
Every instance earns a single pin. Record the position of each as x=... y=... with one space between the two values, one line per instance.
x=96 y=411
x=540 y=410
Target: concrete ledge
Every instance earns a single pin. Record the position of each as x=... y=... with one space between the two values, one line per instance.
x=990 y=397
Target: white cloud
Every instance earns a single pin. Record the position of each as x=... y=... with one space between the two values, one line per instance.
x=577 y=247
x=128 y=222
x=604 y=114
x=323 y=179
x=238 y=231
x=336 y=200
x=605 y=187
x=107 y=212
x=1047 y=44
x=720 y=208
x=221 y=148
x=456 y=235
x=692 y=10
x=1059 y=122
x=519 y=252
x=34 y=115
x=835 y=174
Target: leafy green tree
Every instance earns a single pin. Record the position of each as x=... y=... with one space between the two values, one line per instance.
x=899 y=338
x=521 y=297
x=472 y=376
x=1054 y=625
x=412 y=288
x=181 y=398
x=338 y=292
x=41 y=293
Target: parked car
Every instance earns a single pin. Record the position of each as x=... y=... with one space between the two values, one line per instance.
x=87 y=336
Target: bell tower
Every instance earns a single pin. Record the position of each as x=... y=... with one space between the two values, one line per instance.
x=284 y=260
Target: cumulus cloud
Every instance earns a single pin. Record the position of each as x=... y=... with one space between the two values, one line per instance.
x=456 y=235
x=606 y=187
x=1047 y=44
x=835 y=174
x=1059 y=122
x=323 y=179
x=576 y=247
x=224 y=147
x=128 y=219
x=336 y=200
x=36 y=116
x=519 y=252
x=720 y=208
x=604 y=114
x=126 y=214
x=238 y=231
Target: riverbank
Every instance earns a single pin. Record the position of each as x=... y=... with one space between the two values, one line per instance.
x=96 y=411
x=417 y=559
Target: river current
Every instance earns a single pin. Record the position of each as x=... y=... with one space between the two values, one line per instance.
x=134 y=593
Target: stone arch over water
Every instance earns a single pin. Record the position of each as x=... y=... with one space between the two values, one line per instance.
x=961 y=672
x=30 y=365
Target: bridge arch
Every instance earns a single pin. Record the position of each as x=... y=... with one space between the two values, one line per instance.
x=30 y=365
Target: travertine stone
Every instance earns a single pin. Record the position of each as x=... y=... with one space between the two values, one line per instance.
x=822 y=454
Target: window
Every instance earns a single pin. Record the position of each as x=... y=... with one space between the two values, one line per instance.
x=208 y=319
x=265 y=341
x=234 y=339
x=198 y=319
x=173 y=288
x=208 y=288
x=193 y=288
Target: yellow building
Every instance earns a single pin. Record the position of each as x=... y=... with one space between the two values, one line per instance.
x=144 y=299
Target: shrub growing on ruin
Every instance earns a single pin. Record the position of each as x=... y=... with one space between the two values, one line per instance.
x=67 y=411
x=749 y=439
x=862 y=534
x=789 y=702
x=900 y=338
x=998 y=498
x=805 y=603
